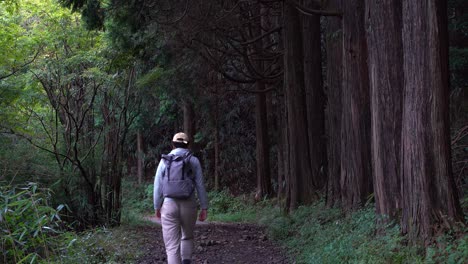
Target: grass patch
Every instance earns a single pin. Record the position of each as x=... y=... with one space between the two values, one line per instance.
x=317 y=234
x=227 y=208
x=115 y=245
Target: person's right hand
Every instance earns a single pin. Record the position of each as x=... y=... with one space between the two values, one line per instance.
x=203 y=215
x=158 y=213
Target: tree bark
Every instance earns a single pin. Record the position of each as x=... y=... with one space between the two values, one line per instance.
x=356 y=180
x=140 y=153
x=385 y=49
x=261 y=121
x=428 y=190
x=111 y=172
x=216 y=142
x=280 y=148
x=300 y=187
x=286 y=156
x=315 y=98
x=334 y=47
x=263 y=152
x=189 y=120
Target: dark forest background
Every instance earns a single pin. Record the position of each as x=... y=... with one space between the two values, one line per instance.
x=348 y=102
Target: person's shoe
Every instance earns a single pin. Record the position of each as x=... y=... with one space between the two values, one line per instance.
x=186 y=261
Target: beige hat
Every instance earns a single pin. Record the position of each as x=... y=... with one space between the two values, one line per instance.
x=181 y=138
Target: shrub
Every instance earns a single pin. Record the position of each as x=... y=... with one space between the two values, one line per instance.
x=137 y=201
x=227 y=208
x=30 y=228
x=449 y=249
x=102 y=245
x=222 y=202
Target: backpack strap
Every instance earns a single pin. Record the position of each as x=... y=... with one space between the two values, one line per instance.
x=187 y=157
x=168 y=158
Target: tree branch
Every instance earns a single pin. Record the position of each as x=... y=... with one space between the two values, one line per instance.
x=17 y=69
x=251 y=41
x=460 y=134
x=310 y=12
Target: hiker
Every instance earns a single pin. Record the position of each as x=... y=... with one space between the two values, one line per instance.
x=178 y=175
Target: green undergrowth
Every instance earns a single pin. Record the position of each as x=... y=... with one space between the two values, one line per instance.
x=227 y=208
x=137 y=203
x=101 y=245
x=317 y=234
x=121 y=244
x=31 y=229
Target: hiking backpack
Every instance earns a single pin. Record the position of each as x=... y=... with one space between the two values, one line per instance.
x=177 y=181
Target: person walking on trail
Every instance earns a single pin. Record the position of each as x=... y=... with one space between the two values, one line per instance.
x=178 y=175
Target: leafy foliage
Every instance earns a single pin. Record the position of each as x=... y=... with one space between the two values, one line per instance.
x=102 y=245
x=69 y=101
x=30 y=228
x=20 y=163
x=137 y=202
x=226 y=208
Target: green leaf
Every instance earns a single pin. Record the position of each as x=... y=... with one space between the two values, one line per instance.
x=31 y=256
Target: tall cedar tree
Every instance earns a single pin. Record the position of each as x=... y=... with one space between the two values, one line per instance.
x=428 y=190
x=261 y=123
x=315 y=98
x=356 y=179
x=385 y=51
x=334 y=47
x=300 y=187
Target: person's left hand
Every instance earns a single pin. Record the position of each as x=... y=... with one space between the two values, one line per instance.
x=158 y=213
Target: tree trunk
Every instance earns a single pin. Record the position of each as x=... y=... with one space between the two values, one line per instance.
x=140 y=153
x=282 y=145
x=261 y=121
x=334 y=47
x=280 y=149
x=301 y=188
x=428 y=190
x=111 y=169
x=315 y=98
x=216 y=142
x=263 y=152
x=356 y=180
x=286 y=156
x=189 y=120
x=383 y=23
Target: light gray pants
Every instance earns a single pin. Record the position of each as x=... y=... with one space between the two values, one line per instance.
x=178 y=218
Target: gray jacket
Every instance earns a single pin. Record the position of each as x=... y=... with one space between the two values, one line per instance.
x=198 y=181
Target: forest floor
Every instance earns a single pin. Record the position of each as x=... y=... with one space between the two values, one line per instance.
x=216 y=243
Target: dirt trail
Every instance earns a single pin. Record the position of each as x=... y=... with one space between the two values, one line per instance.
x=218 y=243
